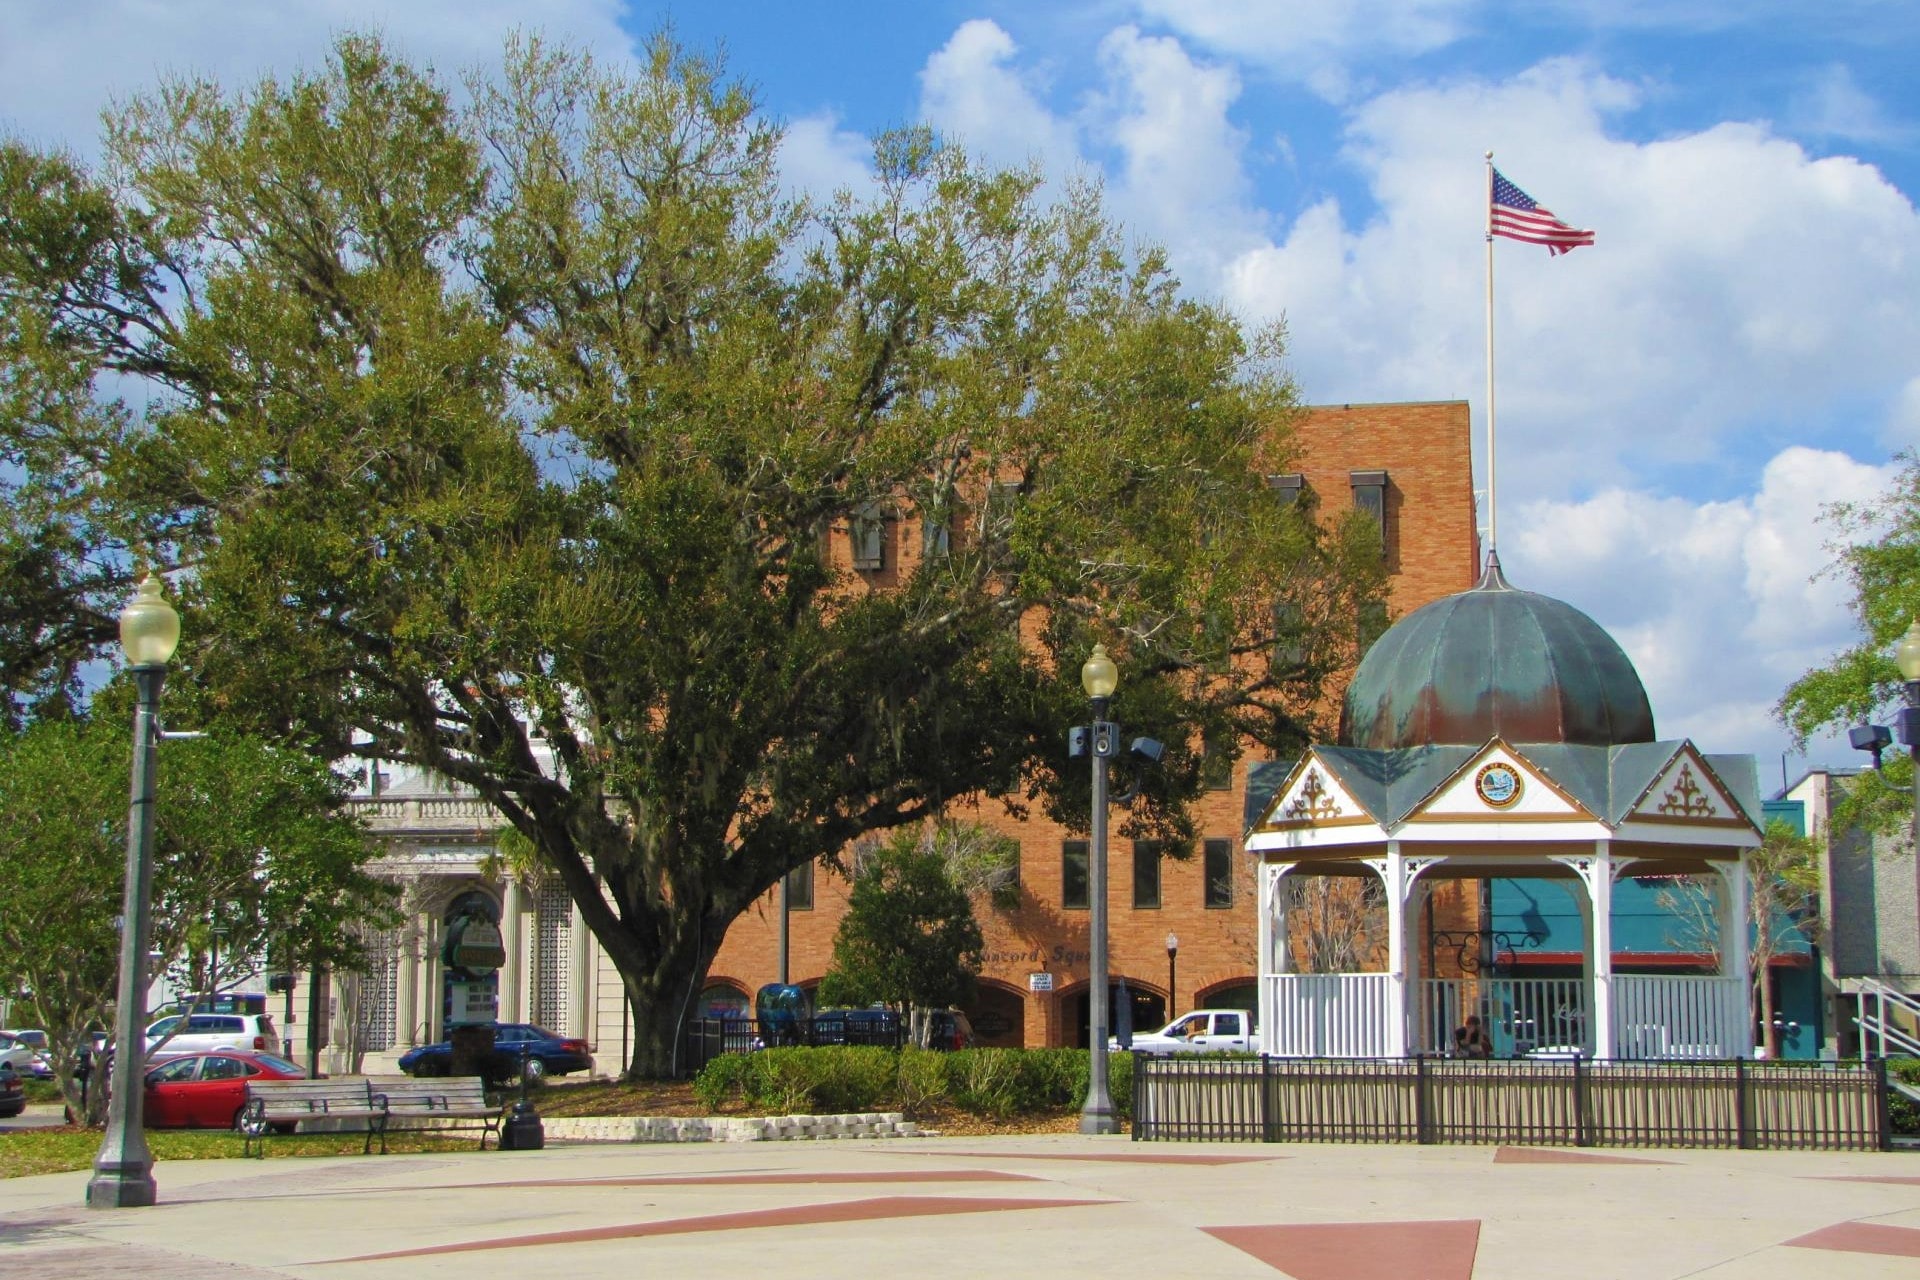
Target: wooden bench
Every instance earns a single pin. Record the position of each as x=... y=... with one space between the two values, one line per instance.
x=431 y=1104
x=279 y=1106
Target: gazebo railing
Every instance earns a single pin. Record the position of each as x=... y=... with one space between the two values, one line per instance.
x=1330 y=1015
x=1520 y=1014
x=1660 y=1016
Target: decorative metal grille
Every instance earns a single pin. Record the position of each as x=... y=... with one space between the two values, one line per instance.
x=375 y=992
x=553 y=942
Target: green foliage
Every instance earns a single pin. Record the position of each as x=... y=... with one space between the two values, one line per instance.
x=245 y=835
x=509 y=442
x=840 y=1078
x=909 y=935
x=1878 y=548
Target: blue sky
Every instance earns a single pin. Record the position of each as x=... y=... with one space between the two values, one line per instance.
x=1677 y=403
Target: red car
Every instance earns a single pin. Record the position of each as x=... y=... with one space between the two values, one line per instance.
x=208 y=1090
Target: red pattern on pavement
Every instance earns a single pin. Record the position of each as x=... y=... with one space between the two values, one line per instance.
x=1862 y=1237
x=794 y=1216
x=1439 y=1250
x=748 y=1180
x=1554 y=1155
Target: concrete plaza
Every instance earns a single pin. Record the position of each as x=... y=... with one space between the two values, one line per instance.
x=1052 y=1206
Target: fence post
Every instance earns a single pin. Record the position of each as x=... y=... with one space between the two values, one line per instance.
x=1742 y=1127
x=1137 y=1130
x=1266 y=1100
x=1883 y=1114
x=1422 y=1105
x=1582 y=1136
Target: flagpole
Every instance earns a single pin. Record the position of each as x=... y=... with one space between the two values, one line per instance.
x=1493 y=539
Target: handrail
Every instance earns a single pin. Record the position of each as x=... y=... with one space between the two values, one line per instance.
x=1874 y=1020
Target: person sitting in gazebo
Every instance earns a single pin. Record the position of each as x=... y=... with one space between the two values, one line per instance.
x=1470 y=1041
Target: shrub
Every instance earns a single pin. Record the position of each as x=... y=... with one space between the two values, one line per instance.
x=725 y=1079
x=921 y=1079
x=985 y=1082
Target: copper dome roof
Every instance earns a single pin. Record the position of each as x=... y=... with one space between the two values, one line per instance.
x=1491 y=662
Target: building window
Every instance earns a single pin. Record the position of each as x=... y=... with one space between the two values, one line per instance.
x=936 y=539
x=867 y=534
x=1289 y=636
x=800 y=888
x=1216 y=761
x=1288 y=488
x=1370 y=496
x=1217 y=855
x=1073 y=875
x=1371 y=624
x=1146 y=875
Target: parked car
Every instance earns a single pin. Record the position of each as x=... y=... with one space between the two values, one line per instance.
x=204 y=1032
x=1202 y=1031
x=208 y=1090
x=18 y=1048
x=13 y=1098
x=546 y=1053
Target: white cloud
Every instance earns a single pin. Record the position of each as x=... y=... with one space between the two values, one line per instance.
x=972 y=93
x=1720 y=605
x=819 y=158
x=1833 y=106
x=1314 y=41
x=1738 y=284
x=77 y=57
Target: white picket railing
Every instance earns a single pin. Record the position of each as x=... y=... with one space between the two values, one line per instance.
x=1889 y=1021
x=1520 y=1015
x=1681 y=1017
x=1330 y=1015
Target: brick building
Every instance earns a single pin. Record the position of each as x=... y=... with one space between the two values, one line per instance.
x=1410 y=464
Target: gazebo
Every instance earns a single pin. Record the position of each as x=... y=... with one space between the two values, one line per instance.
x=1502 y=734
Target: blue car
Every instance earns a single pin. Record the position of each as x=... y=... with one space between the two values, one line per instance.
x=546 y=1053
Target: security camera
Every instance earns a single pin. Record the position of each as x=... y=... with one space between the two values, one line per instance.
x=1147 y=750
x=1869 y=737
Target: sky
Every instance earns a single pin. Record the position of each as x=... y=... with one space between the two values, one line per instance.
x=1677 y=405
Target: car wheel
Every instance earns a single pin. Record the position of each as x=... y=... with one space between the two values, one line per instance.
x=535 y=1069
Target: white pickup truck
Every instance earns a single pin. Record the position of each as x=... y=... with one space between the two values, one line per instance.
x=1202 y=1031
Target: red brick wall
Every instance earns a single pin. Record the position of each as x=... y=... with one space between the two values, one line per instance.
x=1432 y=549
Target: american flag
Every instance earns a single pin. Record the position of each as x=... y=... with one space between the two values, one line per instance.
x=1518 y=217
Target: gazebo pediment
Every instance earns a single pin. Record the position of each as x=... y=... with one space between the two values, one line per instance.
x=1499 y=785
x=1314 y=798
x=1688 y=792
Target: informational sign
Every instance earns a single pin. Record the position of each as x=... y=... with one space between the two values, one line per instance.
x=473 y=944
x=472 y=1002
x=1040 y=982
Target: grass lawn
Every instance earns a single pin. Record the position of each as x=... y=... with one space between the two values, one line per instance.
x=59 y=1150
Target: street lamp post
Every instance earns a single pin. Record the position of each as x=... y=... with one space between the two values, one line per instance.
x=123 y=1170
x=1099 y=677
x=1173 y=950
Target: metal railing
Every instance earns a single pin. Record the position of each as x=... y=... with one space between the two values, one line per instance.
x=1520 y=1015
x=1812 y=1106
x=1889 y=1021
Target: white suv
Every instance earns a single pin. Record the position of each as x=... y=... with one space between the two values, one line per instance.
x=204 y=1032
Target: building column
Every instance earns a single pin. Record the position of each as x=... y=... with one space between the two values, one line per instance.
x=512 y=973
x=579 y=977
x=406 y=996
x=339 y=1038
x=432 y=1015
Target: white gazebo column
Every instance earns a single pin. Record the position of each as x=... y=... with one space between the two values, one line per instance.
x=513 y=972
x=1393 y=875
x=1600 y=885
x=1736 y=951
x=1276 y=955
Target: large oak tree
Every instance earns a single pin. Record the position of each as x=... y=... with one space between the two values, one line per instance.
x=515 y=441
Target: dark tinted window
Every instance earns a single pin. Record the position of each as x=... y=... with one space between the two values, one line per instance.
x=1218 y=858
x=1073 y=874
x=1146 y=873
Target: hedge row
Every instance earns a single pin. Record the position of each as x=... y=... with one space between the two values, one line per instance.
x=996 y=1083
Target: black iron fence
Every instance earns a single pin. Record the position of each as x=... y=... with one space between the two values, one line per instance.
x=1811 y=1106
x=708 y=1038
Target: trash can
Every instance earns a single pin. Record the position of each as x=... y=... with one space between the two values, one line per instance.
x=523 y=1130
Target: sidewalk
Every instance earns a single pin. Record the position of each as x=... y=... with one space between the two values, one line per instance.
x=1052 y=1206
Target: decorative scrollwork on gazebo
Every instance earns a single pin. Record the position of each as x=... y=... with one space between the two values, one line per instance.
x=1477 y=949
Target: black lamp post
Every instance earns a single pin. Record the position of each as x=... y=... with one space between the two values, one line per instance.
x=123 y=1170
x=1173 y=950
x=1099 y=677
